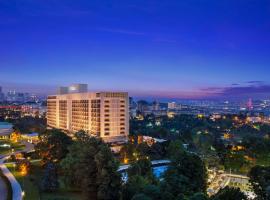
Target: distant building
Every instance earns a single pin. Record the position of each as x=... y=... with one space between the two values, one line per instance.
x=155 y=106
x=31 y=137
x=5 y=130
x=142 y=106
x=2 y=95
x=101 y=114
x=13 y=96
x=174 y=106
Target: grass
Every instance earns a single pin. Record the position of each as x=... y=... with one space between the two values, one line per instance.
x=27 y=183
x=30 y=184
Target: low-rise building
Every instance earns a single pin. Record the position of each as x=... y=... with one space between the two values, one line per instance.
x=5 y=130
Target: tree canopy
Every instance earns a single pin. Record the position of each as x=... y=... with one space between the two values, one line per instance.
x=90 y=166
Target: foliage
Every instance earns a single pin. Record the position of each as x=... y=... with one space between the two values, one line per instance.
x=175 y=149
x=260 y=181
x=23 y=166
x=133 y=151
x=49 y=181
x=135 y=185
x=90 y=166
x=228 y=193
x=189 y=169
x=140 y=197
x=53 y=146
x=199 y=196
x=29 y=124
x=142 y=168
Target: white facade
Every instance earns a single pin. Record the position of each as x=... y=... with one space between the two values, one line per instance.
x=103 y=114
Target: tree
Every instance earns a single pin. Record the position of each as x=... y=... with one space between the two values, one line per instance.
x=175 y=149
x=140 y=197
x=49 y=181
x=199 y=196
x=23 y=166
x=90 y=166
x=135 y=185
x=260 y=181
x=174 y=184
x=228 y=193
x=185 y=175
x=53 y=146
x=29 y=124
x=143 y=167
x=152 y=191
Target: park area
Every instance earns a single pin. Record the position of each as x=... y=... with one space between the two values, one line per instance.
x=30 y=183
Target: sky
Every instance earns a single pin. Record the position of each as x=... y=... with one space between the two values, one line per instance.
x=150 y=48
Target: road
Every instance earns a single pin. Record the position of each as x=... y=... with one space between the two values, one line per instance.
x=16 y=187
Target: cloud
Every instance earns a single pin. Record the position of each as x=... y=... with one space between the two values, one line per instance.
x=256 y=89
x=121 y=31
x=255 y=82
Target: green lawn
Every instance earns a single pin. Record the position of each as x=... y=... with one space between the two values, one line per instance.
x=31 y=182
x=27 y=183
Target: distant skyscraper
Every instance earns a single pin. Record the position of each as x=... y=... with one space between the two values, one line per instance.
x=250 y=104
x=2 y=96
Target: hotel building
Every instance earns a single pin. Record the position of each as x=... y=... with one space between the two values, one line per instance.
x=101 y=114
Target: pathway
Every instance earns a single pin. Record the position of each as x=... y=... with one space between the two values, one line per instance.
x=3 y=189
x=16 y=187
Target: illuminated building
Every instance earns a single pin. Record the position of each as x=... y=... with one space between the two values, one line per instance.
x=172 y=105
x=5 y=130
x=101 y=114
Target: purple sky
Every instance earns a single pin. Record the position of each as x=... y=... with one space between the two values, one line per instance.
x=168 y=49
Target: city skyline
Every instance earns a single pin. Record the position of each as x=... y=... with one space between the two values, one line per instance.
x=151 y=49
